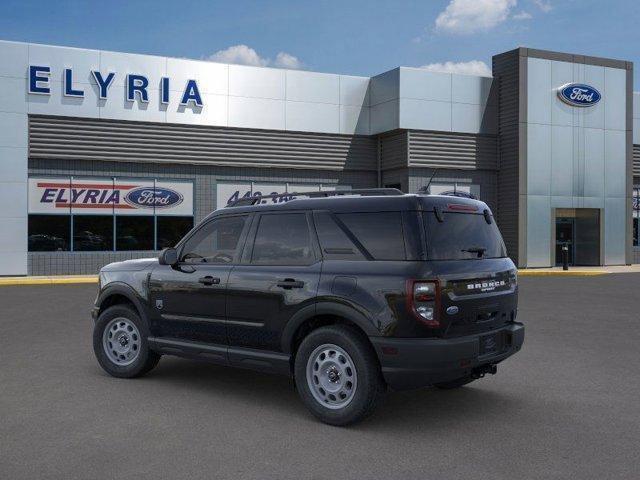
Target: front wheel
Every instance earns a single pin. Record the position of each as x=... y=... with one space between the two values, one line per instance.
x=120 y=343
x=337 y=375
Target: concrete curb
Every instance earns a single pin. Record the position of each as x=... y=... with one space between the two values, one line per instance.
x=52 y=280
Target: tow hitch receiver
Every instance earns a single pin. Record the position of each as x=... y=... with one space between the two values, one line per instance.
x=482 y=370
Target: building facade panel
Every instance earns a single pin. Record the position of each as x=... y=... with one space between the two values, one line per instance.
x=636 y=118
x=354 y=91
x=14 y=59
x=512 y=100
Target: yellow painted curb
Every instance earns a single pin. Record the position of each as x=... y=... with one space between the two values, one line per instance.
x=561 y=273
x=71 y=280
x=47 y=280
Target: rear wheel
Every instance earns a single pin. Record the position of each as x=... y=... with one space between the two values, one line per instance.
x=337 y=375
x=120 y=343
x=457 y=383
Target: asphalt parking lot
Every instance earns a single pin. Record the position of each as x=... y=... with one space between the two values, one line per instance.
x=567 y=406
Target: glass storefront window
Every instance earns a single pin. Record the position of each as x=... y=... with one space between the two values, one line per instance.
x=52 y=233
x=134 y=233
x=172 y=229
x=92 y=233
x=107 y=214
x=49 y=233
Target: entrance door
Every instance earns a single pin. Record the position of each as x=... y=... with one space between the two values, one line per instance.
x=579 y=230
x=565 y=229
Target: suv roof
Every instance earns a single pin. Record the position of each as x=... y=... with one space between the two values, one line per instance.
x=355 y=203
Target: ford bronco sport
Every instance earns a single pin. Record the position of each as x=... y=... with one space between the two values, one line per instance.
x=349 y=295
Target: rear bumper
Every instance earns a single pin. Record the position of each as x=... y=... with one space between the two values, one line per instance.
x=417 y=362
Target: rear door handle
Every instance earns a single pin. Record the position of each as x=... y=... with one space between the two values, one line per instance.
x=289 y=283
x=209 y=280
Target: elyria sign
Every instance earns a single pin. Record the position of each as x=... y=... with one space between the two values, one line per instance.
x=136 y=86
x=579 y=95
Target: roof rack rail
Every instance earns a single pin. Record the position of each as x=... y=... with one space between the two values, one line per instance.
x=320 y=194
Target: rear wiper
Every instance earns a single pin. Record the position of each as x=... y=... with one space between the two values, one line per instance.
x=479 y=250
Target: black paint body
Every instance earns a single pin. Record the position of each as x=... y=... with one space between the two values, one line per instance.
x=250 y=318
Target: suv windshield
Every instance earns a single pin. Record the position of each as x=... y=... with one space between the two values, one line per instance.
x=462 y=236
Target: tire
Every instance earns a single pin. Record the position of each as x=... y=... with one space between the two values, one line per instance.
x=459 y=382
x=346 y=358
x=129 y=355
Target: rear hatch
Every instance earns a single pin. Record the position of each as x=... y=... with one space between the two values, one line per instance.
x=478 y=282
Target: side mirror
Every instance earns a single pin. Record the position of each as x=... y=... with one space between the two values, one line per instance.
x=168 y=256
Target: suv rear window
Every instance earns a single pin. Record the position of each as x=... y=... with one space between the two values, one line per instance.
x=462 y=236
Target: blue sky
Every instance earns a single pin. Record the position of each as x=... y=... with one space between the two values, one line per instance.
x=351 y=37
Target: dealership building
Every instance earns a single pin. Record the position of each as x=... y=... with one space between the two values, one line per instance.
x=107 y=156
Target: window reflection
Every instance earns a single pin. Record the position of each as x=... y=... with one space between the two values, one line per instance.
x=92 y=233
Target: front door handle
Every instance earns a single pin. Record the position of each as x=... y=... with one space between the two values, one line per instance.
x=289 y=283
x=209 y=280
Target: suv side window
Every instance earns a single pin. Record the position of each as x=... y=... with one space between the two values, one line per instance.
x=334 y=241
x=380 y=233
x=283 y=239
x=216 y=242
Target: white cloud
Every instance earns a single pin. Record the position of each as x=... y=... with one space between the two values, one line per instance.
x=469 y=16
x=522 y=16
x=245 y=55
x=240 y=54
x=473 y=67
x=286 y=60
x=543 y=5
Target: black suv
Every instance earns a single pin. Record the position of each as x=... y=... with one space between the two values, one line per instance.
x=348 y=294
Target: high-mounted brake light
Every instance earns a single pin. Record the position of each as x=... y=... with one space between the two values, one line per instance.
x=423 y=300
x=459 y=207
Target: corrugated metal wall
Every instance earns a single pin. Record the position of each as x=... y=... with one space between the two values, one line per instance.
x=115 y=140
x=394 y=150
x=419 y=148
x=506 y=70
x=453 y=150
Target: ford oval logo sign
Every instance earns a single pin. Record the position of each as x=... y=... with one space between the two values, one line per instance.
x=579 y=95
x=149 y=197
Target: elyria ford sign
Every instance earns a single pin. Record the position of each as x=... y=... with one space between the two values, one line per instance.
x=136 y=86
x=579 y=95
x=61 y=196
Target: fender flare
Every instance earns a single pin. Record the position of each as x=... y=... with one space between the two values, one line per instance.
x=118 y=288
x=325 y=308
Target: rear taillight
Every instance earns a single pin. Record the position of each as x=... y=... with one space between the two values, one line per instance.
x=423 y=297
